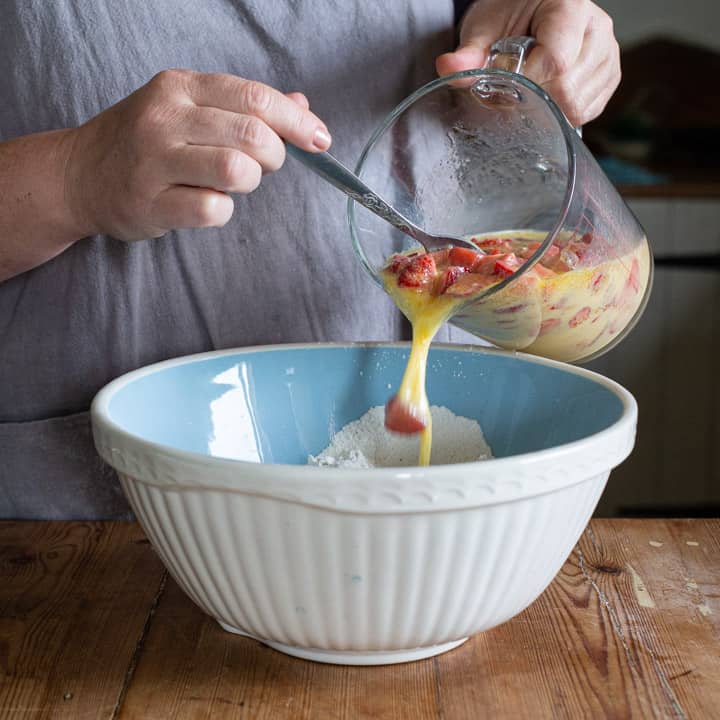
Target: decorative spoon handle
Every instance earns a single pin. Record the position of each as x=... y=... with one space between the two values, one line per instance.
x=345 y=180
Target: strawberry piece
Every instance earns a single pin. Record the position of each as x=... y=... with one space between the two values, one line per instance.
x=397 y=263
x=401 y=419
x=542 y=272
x=469 y=284
x=464 y=257
x=548 y=325
x=551 y=254
x=510 y=309
x=493 y=246
x=528 y=250
x=442 y=258
x=418 y=272
x=579 y=250
x=449 y=277
x=579 y=317
x=506 y=265
x=633 y=280
x=486 y=265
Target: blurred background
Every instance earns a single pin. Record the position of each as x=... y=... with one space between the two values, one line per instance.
x=659 y=142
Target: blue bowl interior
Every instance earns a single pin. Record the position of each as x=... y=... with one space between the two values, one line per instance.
x=279 y=405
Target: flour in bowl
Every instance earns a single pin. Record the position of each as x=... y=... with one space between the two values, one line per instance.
x=365 y=443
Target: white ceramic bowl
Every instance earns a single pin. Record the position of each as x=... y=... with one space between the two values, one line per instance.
x=359 y=566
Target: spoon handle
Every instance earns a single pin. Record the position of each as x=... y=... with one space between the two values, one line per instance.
x=332 y=170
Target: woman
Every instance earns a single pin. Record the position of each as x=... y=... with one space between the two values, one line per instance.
x=100 y=154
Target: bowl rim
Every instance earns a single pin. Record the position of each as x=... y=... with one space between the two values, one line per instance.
x=614 y=437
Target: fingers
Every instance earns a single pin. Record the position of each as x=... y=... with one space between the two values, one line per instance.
x=576 y=58
x=223 y=129
x=220 y=168
x=186 y=207
x=582 y=95
x=300 y=99
x=282 y=114
x=583 y=87
x=559 y=26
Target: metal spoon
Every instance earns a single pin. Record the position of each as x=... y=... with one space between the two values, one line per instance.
x=332 y=170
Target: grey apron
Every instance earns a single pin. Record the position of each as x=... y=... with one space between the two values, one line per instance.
x=104 y=307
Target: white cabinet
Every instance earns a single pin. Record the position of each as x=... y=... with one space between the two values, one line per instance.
x=670 y=362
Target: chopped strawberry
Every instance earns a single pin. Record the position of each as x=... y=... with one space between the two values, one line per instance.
x=493 y=246
x=633 y=280
x=506 y=265
x=587 y=238
x=542 y=271
x=469 y=284
x=464 y=257
x=595 y=283
x=548 y=325
x=579 y=317
x=397 y=262
x=486 y=265
x=551 y=254
x=401 y=419
x=418 y=272
x=442 y=257
x=579 y=250
x=449 y=277
x=528 y=250
x=510 y=309
x=566 y=262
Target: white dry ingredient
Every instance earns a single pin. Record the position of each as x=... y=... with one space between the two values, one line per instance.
x=365 y=443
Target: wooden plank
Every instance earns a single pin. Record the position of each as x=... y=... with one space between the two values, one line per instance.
x=213 y=674
x=74 y=599
x=629 y=628
x=617 y=634
x=666 y=604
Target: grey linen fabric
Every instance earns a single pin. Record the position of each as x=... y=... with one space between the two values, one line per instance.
x=281 y=271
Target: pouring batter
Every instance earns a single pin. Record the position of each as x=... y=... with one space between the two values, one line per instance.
x=571 y=302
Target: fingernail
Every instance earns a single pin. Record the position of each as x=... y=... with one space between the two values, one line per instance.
x=321 y=139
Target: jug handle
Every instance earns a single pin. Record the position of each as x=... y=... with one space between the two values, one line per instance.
x=510 y=54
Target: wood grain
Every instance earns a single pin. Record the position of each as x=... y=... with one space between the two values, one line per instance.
x=628 y=629
x=211 y=673
x=74 y=600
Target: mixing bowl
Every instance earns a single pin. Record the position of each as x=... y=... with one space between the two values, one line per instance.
x=359 y=566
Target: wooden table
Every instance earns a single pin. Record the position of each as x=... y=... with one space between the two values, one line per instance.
x=91 y=626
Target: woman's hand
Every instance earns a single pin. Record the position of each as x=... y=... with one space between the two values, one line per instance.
x=576 y=59
x=168 y=155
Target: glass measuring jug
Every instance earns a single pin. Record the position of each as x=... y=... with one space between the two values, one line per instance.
x=487 y=154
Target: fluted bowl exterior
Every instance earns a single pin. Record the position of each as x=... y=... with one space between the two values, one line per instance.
x=366 y=566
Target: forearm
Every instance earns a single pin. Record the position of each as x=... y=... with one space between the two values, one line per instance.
x=36 y=223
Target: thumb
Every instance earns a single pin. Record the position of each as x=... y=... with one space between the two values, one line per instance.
x=481 y=27
x=466 y=57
